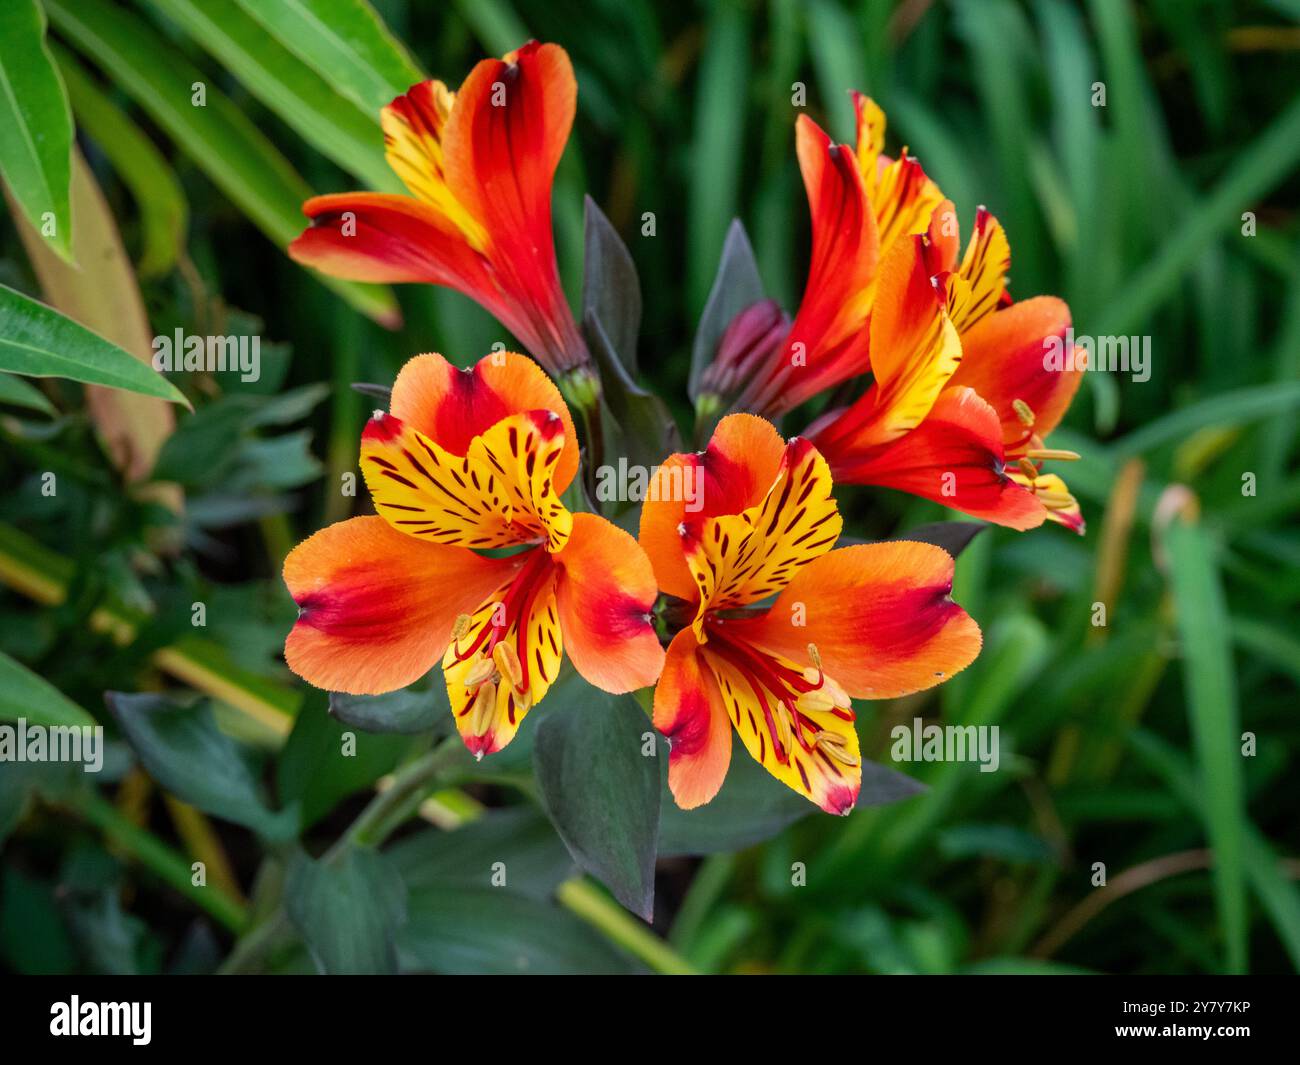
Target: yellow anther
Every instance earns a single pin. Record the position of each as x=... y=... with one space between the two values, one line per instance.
x=481 y=670
x=507 y=662
x=460 y=627
x=484 y=709
x=815 y=655
x=1057 y=454
x=838 y=695
x=819 y=700
x=833 y=744
x=1024 y=412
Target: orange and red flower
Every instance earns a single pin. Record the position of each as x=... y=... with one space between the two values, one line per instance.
x=861 y=202
x=468 y=461
x=871 y=621
x=479 y=164
x=963 y=389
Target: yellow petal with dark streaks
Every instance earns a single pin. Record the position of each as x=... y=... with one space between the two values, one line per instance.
x=982 y=274
x=505 y=657
x=497 y=494
x=804 y=739
x=738 y=559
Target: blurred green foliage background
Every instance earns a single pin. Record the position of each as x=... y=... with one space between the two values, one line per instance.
x=1123 y=742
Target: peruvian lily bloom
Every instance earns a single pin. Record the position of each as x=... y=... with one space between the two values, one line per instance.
x=965 y=386
x=470 y=461
x=479 y=164
x=862 y=202
x=963 y=389
x=871 y=621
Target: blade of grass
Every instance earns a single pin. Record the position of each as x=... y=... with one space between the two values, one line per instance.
x=307 y=102
x=171 y=867
x=345 y=42
x=717 y=150
x=1279 y=896
x=1212 y=704
x=837 y=54
x=1254 y=172
x=1229 y=408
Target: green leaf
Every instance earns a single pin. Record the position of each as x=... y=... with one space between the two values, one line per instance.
x=1276 y=890
x=345 y=42
x=15 y=392
x=611 y=291
x=33 y=938
x=490 y=930
x=221 y=140
x=38 y=341
x=331 y=123
x=318 y=769
x=154 y=186
x=718 y=143
x=1216 y=729
x=751 y=807
x=1004 y=842
x=1254 y=172
x=735 y=287
x=184 y=751
x=600 y=791
x=835 y=42
x=515 y=851
x=1228 y=408
x=348 y=908
x=643 y=426
x=494 y=23
x=26 y=695
x=35 y=124
x=404 y=711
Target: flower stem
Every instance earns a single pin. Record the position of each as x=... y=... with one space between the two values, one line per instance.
x=375 y=823
x=618 y=926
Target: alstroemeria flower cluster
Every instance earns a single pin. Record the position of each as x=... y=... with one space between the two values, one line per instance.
x=738 y=608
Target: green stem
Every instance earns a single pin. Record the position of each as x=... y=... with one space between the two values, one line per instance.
x=581 y=389
x=256 y=944
x=374 y=823
x=168 y=865
x=620 y=927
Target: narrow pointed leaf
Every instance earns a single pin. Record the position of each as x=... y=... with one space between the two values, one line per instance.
x=333 y=124
x=35 y=124
x=26 y=695
x=736 y=286
x=157 y=191
x=184 y=751
x=37 y=341
x=346 y=42
x=611 y=291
